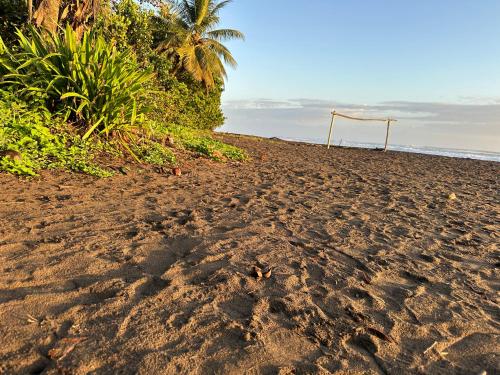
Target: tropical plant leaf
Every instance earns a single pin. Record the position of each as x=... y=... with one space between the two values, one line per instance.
x=94 y=85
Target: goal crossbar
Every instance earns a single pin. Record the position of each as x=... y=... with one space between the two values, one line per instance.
x=362 y=119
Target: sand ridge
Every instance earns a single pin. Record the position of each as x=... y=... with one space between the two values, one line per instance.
x=374 y=268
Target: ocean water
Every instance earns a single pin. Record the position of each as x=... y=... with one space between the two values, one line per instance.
x=466 y=154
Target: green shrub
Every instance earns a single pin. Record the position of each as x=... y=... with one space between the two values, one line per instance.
x=153 y=153
x=183 y=101
x=201 y=142
x=89 y=82
x=24 y=129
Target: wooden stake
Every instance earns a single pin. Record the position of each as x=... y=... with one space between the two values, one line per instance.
x=387 y=134
x=331 y=129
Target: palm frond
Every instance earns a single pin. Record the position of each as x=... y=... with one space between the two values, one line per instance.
x=216 y=7
x=190 y=34
x=225 y=34
x=222 y=51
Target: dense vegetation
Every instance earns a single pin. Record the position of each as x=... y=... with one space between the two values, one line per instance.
x=111 y=79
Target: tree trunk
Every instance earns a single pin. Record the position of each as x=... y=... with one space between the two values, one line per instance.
x=47 y=15
x=29 y=4
x=85 y=13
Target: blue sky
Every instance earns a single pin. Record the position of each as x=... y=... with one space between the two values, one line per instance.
x=433 y=63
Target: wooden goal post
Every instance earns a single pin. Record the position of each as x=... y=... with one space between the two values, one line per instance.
x=389 y=122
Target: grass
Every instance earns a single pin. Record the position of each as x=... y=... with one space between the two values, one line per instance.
x=25 y=131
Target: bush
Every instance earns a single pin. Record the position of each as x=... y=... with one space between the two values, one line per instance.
x=186 y=105
x=24 y=130
x=153 y=153
x=89 y=82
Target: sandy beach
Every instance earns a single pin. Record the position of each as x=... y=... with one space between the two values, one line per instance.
x=375 y=268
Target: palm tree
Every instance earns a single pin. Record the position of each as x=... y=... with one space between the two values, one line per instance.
x=188 y=33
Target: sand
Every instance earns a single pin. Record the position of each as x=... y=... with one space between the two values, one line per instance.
x=374 y=269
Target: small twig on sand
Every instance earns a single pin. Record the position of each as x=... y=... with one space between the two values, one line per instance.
x=379 y=334
x=474 y=289
x=360 y=265
x=412 y=314
x=32 y=319
x=430 y=347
